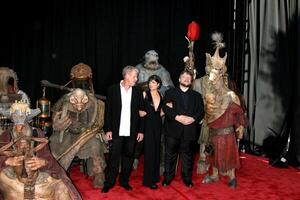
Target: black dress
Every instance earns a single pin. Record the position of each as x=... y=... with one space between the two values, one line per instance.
x=152 y=131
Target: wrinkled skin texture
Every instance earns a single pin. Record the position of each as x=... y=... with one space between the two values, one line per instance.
x=74 y=116
x=151 y=66
x=207 y=85
x=21 y=179
x=46 y=187
x=216 y=100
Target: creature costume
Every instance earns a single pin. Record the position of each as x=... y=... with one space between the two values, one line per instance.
x=83 y=136
x=9 y=93
x=150 y=66
x=19 y=182
x=9 y=86
x=202 y=85
x=224 y=117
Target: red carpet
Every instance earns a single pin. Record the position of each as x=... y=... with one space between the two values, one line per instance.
x=256 y=180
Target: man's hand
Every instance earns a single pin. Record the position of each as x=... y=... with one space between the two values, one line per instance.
x=169 y=104
x=179 y=118
x=140 y=137
x=185 y=120
x=61 y=123
x=162 y=113
x=35 y=163
x=108 y=135
x=188 y=120
x=142 y=113
x=14 y=161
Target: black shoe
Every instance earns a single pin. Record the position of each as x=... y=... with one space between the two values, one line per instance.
x=166 y=182
x=105 y=189
x=126 y=186
x=232 y=183
x=189 y=184
x=280 y=163
x=153 y=187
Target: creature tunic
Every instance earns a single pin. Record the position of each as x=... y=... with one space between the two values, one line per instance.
x=222 y=133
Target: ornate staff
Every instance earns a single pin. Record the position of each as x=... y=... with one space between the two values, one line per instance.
x=192 y=36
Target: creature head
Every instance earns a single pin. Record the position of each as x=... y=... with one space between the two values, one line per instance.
x=151 y=60
x=22 y=133
x=8 y=81
x=78 y=99
x=20 y=113
x=216 y=65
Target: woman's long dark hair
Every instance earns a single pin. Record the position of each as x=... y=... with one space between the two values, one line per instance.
x=155 y=78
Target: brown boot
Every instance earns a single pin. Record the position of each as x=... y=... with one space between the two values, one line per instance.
x=98 y=180
x=98 y=175
x=202 y=167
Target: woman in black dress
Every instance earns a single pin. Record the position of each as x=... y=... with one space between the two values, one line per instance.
x=152 y=130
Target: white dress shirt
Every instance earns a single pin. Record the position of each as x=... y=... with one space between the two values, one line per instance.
x=124 y=129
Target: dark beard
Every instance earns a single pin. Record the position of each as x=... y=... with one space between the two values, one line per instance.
x=185 y=85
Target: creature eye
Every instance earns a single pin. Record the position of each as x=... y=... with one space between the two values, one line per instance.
x=73 y=100
x=85 y=99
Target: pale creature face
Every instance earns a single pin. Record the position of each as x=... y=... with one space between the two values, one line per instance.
x=79 y=99
x=151 y=59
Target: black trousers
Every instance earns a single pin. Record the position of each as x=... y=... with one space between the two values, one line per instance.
x=174 y=147
x=122 y=149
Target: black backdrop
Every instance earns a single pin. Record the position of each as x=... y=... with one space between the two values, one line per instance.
x=273 y=66
x=44 y=39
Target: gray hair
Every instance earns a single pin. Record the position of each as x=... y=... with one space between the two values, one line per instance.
x=128 y=69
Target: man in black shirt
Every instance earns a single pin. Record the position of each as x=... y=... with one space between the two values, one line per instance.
x=183 y=108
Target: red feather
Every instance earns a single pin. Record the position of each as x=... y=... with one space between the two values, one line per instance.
x=193 y=31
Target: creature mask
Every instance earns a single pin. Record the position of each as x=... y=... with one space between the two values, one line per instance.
x=79 y=99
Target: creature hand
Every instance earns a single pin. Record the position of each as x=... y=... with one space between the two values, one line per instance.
x=209 y=108
x=240 y=132
x=61 y=123
x=140 y=137
x=35 y=163
x=108 y=135
x=14 y=161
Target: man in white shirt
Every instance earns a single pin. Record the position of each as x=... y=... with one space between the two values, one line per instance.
x=122 y=126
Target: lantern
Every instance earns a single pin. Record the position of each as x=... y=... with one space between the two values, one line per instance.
x=43 y=104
